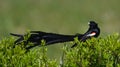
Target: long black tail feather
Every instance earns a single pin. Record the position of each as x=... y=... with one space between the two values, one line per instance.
x=50 y=38
x=50 y=41
x=18 y=35
x=21 y=38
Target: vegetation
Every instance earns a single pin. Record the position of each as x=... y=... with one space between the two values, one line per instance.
x=101 y=52
x=60 y=16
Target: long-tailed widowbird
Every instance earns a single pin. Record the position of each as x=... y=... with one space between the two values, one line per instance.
x=51 y=38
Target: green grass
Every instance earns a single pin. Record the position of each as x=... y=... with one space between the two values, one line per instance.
x=100 y=52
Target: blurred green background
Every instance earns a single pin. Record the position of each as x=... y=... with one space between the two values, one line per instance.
x=58 y=16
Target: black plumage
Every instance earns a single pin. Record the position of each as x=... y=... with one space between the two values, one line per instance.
x=51 y=38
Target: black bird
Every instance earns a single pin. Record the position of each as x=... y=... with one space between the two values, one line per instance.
x=51 y=38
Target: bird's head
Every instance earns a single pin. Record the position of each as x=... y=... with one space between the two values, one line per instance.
x=93 y=24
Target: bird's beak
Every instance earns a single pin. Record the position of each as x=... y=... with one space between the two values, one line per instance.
x=88 y=23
